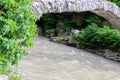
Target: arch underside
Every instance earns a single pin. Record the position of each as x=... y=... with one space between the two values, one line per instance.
x=103 y=8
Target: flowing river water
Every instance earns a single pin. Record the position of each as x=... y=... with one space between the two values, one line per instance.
x=52 y=61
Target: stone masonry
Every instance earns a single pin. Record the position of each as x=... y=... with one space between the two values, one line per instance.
x=106 y=9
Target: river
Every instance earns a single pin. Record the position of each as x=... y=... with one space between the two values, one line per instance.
x=52 y=61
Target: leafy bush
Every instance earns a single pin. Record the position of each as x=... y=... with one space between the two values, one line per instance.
x=48 y=20
x=17 y=28
x=92 y=18
x=96 y=37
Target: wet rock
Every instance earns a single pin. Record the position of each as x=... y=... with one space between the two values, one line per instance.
x=39 y=30
x=50 y=33
x=59 y=31
x=75 y=31
x=67 y=40
x=106 y=53
x=56 y=39
x=64 y=41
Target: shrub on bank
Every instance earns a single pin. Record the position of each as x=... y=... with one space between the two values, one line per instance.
x=99 y=37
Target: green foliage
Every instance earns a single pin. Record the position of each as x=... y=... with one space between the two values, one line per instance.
x=68 y=20
x=50 y=20
x=65 y=27
x=96 y=37
x=117 y=2
x=14 y=75
x=92 y=18
x=17 y=28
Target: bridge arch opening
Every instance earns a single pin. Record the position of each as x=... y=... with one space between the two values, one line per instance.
x=68 y=20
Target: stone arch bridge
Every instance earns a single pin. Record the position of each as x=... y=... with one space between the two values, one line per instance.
x=103 y=8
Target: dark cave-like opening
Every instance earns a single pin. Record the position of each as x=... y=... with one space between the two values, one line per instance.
x=68 y=21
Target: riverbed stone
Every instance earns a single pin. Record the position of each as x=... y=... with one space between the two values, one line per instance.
x=107 y=53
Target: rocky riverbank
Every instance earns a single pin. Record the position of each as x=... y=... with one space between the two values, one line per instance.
x=107 y=53
x=70 y=41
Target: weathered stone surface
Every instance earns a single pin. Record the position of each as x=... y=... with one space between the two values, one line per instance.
x=106 y=9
